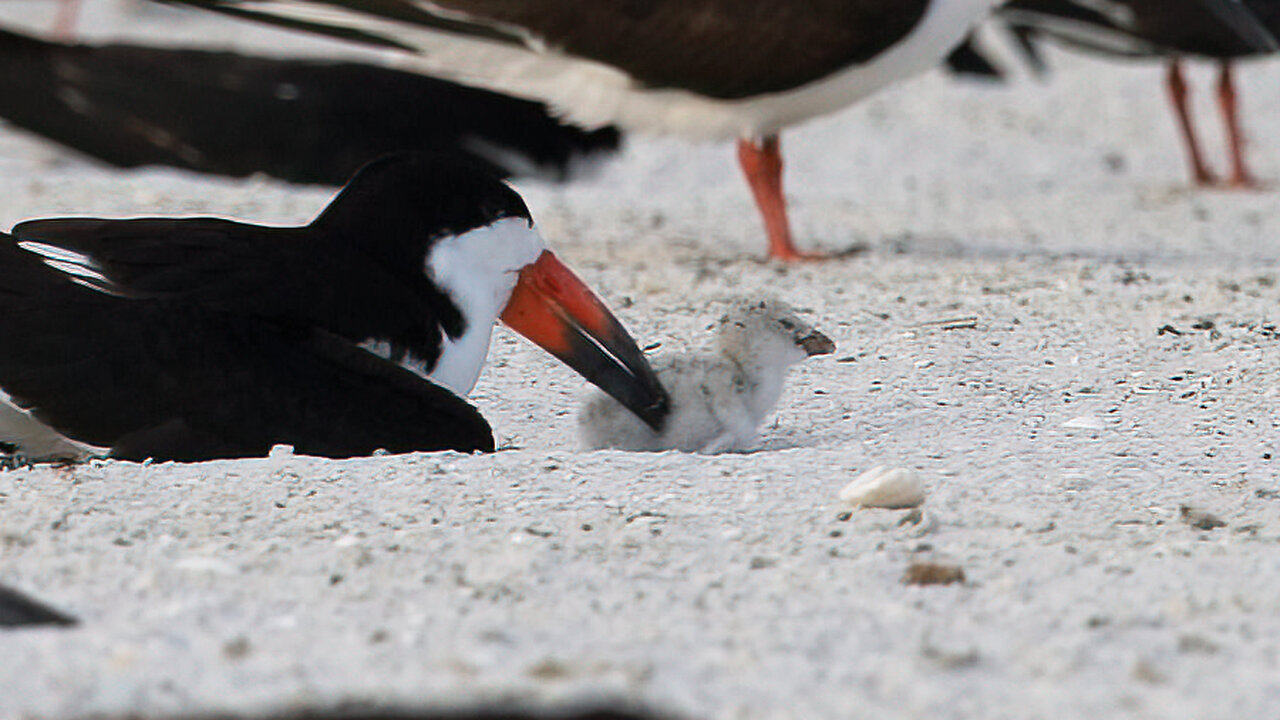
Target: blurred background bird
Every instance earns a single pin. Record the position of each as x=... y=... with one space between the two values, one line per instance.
x=703 y=69
x=547 y=86
x=299 y=120
x=1224 y=31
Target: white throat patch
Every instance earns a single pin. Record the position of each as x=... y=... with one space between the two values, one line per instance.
x=478 y=270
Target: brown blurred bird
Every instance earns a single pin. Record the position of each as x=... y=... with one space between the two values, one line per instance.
x=705 y=69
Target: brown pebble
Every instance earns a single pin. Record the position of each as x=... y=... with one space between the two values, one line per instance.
x=1196 y=644
x=932 y=573
x=1200 y=519
x=549 y=669
x=237 y=649
x=761 y=563
x=1145 y=672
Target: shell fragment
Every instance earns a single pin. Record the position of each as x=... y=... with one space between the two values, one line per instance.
x=885 y=487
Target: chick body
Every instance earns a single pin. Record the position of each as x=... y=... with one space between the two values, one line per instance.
x=719 y=398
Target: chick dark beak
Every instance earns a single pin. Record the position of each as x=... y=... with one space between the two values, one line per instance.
x=556 y=311
x=815 y=343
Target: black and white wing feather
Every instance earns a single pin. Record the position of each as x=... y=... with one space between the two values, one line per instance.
x=121 y=340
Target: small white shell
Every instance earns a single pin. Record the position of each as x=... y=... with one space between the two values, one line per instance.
x=202 y=564
x=1084 y=422
x=885 y=487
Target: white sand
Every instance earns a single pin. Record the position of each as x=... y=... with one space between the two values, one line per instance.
x=1058 y=436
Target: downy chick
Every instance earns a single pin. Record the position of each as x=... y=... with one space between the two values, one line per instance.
x=719 y=398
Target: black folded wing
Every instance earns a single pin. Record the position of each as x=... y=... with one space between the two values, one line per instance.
x=187 y=346
x=308 y=121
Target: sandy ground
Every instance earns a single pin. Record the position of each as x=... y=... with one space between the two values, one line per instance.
x=1058 y=431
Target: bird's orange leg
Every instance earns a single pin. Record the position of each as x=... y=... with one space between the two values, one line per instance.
x=1178 y=93
x=1229 y=101
x=762 y=164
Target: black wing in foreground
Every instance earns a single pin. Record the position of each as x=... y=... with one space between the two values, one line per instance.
x=19 y=610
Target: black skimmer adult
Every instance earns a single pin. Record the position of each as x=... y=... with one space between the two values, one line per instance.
x=190 y=339
x=706 y=69
x=1220 y=29
x=718 y=398
x=304 y=121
